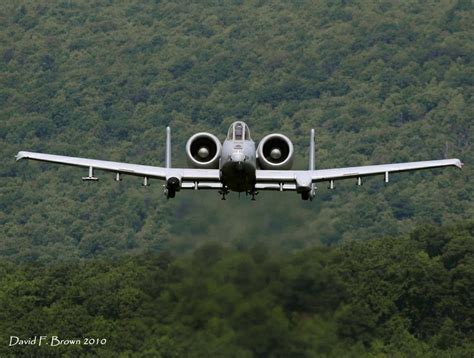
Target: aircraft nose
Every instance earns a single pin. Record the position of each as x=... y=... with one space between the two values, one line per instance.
x=237 y=157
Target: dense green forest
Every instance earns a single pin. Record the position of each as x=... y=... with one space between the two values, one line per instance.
x=380 y=82
x=378 y=270
x=394 y=296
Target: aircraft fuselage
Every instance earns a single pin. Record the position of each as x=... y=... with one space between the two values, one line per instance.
x=238 y=165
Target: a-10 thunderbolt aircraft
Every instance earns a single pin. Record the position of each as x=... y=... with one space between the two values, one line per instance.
x=237 y=165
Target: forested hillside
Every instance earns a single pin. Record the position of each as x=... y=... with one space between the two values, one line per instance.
x=380 y=82
x=406 y=296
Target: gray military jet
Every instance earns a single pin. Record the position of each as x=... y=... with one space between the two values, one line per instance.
x=237 y=165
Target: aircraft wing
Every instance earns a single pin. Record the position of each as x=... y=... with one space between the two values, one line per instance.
x=299 y=180
x=295 y=179
x=208 y=175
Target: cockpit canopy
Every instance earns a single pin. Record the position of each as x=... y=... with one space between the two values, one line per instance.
x=238 y=131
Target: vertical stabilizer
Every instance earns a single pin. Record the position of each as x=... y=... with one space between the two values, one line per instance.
x=312 y=162
x=311 y=150
x=168 y=148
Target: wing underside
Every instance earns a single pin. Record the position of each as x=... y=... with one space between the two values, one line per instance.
x=281 y=180
x=303 y=180
x=184 y=174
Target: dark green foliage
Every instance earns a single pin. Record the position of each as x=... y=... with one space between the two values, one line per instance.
x=389 y=296
x=380 y=82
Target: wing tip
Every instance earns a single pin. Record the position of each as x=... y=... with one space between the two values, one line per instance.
x=20 y=155
x=458 y=163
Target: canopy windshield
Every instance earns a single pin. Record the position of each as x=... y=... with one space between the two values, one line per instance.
x=238 y=131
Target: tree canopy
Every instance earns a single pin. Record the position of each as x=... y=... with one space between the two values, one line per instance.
x=377 y=270
x=391 y=296
x=380 y=83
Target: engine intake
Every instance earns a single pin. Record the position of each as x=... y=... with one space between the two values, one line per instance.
x=275 y=151
x=203 y=150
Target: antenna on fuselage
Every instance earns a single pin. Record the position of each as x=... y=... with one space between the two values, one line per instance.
x=168 y=148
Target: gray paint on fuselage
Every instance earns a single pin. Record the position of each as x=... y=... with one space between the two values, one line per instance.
x=238 y=165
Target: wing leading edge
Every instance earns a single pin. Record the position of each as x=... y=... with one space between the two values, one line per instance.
x=208 y=175
x=282 y=180
x=303 y=178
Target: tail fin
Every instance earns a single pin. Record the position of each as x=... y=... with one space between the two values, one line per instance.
x=168 y=148
x=312 y=193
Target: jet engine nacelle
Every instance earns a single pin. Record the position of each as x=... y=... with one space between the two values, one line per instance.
x=275 y=151
x=203 y=150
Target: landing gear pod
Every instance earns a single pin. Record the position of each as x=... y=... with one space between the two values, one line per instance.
x=173 y=184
